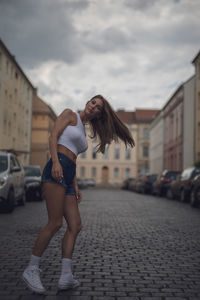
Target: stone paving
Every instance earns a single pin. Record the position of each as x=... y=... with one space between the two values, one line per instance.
x=131 y=246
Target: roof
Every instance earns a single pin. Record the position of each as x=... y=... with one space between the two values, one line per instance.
x=174 y=93
x=146 y=115
x=127 y=117
x=198 y=54
x=40 y=107
x=137 y=116
x=12 y=57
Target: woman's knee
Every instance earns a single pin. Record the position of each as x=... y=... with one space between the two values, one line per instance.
x=76 y=228
x=55 y=225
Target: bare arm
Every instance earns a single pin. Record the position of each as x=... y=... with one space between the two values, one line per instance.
x=77 y=191
x=63 y=120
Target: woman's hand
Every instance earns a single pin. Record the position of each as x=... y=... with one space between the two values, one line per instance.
x=57 y=172
x=78 y=194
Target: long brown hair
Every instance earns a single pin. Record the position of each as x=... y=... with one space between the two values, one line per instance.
x=108 y=127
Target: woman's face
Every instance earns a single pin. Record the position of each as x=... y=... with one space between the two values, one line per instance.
x=94 y=108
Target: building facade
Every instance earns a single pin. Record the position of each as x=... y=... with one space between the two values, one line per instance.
x=156 y=144
x=196 y=62
x=119 y=163
x=189 y=122
x=42 y=123
x=116 y=164
x=173 y=131
x=16 y=98
x=143 y=119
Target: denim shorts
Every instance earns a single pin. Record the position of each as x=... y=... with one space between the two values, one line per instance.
x=69 y=171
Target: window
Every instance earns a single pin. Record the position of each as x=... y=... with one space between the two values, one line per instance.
x=117 y=151
x=145 y=151
x=15 y=95
x=128 y=153
x=4 y=126
x=127 y=173
x=82 y=171
x=116 y=172
x=94 y=154
x=93 y=172
x=83 y=155
x=12 y=163
x=7 y=66
x=105 y=155
x=146 y=133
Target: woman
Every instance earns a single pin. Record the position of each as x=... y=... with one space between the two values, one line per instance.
x=61 y=191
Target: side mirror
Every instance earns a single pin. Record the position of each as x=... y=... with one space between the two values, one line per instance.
x=15 y=169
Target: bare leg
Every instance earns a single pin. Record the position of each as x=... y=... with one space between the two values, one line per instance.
x=73 y=219
x=55 y=197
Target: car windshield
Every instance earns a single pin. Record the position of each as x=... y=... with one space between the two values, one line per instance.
x=171 y=174
x=3 y=163
x=32 y=171
x=152 y=177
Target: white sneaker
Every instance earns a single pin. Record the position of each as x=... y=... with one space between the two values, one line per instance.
x=31 y=277
x=67 y=282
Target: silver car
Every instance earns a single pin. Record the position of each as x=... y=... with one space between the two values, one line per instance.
x=12 y=182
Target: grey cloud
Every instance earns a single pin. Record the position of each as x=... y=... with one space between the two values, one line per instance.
x=110 y=39
x=140 y=5
x=41 y=32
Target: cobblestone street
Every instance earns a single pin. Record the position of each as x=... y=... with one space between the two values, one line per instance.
x=132 y=246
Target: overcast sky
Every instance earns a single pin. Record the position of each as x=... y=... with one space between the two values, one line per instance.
x=133 y=52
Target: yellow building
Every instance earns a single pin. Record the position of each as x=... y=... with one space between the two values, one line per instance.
x=42 y=123
x=16 y=97
x=196 y=62
x=116 y=164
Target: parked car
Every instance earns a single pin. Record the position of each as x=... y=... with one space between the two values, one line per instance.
x=137 y=184
x=195 y=192
x=186 y=183
x=12 y=182
x=125 y=183
x=90 y=182
x=174 y=187
x=33 y=184
x=182 y=186
x=162 y=183
x=146 y=182
x=131 y=184
x=82 y=184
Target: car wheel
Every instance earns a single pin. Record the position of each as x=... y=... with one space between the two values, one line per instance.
x=41 y=198
x=193 y=201
x=198 y=196
x=22 y=200
x=10 y=205
x=182 y=196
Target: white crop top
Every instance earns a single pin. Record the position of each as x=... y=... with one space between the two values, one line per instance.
x=74 y=137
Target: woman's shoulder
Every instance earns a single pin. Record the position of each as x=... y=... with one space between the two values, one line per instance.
x=69 y=114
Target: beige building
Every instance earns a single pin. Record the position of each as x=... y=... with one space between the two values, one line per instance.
x=16 y=98
x=196 y=62
x=117 y=164
x=156 y=144
x=42 y=123
x=143 y=119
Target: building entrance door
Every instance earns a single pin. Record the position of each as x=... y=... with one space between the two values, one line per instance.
x=105 y=174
